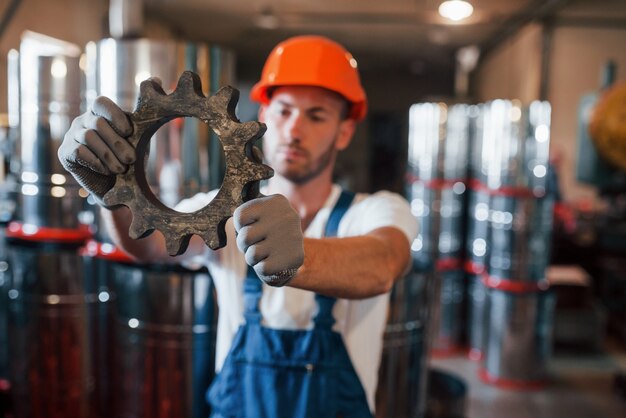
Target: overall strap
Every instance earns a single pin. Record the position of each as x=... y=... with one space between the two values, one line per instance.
x=324 y=318
x=253 y=287
x=252 y=292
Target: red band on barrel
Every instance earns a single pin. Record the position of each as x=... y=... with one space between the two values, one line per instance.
x=448 y=264
x=438 y=184
x=514 y=286
x=474 y=354
x=507 y=191
x=104 y=251
x=451 y=351
x=474 y=268
x=29 y=232
x=513 y=384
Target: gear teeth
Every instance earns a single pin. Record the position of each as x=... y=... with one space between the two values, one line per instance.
x=231 y=104
x=188 y=82
x=150 y=88
x=137 y=228
x=243 y=171
x=177 y=247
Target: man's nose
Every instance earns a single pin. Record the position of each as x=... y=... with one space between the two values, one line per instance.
x=294 y=128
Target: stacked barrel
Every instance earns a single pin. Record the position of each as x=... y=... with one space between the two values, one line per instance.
x=7 y=209
x=53 y=309
x=403 y=370
x=510 y=215
x=164 y=317
x=438 y=161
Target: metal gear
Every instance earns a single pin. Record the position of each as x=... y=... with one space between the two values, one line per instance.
x=243 y=169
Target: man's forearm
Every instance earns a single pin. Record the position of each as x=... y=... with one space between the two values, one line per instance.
x=354 y=267
x=146 y=250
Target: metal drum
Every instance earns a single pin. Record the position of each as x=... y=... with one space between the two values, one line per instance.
x=476 y=315
x=7 y=209
x=402 y=374
x=452 y=213
x=4 y=300
x=509 y=179
x=477 y=238
x=55 y=348
x=519 y=234
x=425 y=246
x=184 y=157
x=437 y=170
x=498 y=145
x=438 y=141
x=165 y=328
x=518 y=342
x=50 y=98
x=446 y=316
x=177 y=343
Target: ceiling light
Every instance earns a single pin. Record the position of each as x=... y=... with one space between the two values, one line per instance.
x=455 y=10
x=267 y=20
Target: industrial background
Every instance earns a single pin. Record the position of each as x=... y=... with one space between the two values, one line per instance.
x=516 y=305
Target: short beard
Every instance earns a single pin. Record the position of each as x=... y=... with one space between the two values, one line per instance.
x=325 y=160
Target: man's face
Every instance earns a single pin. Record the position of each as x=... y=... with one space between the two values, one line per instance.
x=305 y=129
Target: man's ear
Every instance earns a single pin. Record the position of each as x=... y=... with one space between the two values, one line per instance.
x=345 y=134
x=261 y=115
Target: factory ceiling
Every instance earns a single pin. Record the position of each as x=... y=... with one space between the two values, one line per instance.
x=407 y=34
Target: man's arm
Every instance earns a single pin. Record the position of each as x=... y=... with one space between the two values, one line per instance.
x=354 y=267
x=150 y=249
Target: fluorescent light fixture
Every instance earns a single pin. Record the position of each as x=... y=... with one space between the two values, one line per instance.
x=456 y=10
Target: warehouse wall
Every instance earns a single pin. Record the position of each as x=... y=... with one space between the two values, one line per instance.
x=513 y=69
x=77 y=21
x=576 y=58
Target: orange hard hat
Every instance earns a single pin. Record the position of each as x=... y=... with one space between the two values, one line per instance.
x=313 y=61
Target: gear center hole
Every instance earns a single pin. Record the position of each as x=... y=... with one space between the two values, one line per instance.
x=183 y=158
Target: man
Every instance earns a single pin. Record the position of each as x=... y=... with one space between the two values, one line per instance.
x=292 y=365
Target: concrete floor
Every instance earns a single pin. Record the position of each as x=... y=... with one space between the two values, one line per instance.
x=581 y=387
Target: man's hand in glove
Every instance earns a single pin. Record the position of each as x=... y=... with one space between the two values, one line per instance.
x=95 y=148
x=269 y=233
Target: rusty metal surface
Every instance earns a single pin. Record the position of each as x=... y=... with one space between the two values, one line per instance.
x=243 y=170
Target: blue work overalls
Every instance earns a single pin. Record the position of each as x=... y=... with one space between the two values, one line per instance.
x=275 y=373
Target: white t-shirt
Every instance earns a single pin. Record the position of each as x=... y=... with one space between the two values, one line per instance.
x=361 y=322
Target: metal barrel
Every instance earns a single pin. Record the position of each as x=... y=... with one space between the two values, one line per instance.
x=7 y=210
x=451 y=224
x=402 y=374
x=426 y=126
x=446 y=318
x=54 y=314
x=477 y=237
x=184 y=156
x=424 y=247
x=519 y=234
x=477 y=303
x=510 y=146
x=518 y=338
x=164 y=326
x=510 y=215
x=4 y=301
x=439 y=137
x=50 y=98
x=497 y=146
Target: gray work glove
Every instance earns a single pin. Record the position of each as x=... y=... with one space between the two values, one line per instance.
x=269 y=233
x=95 y=148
